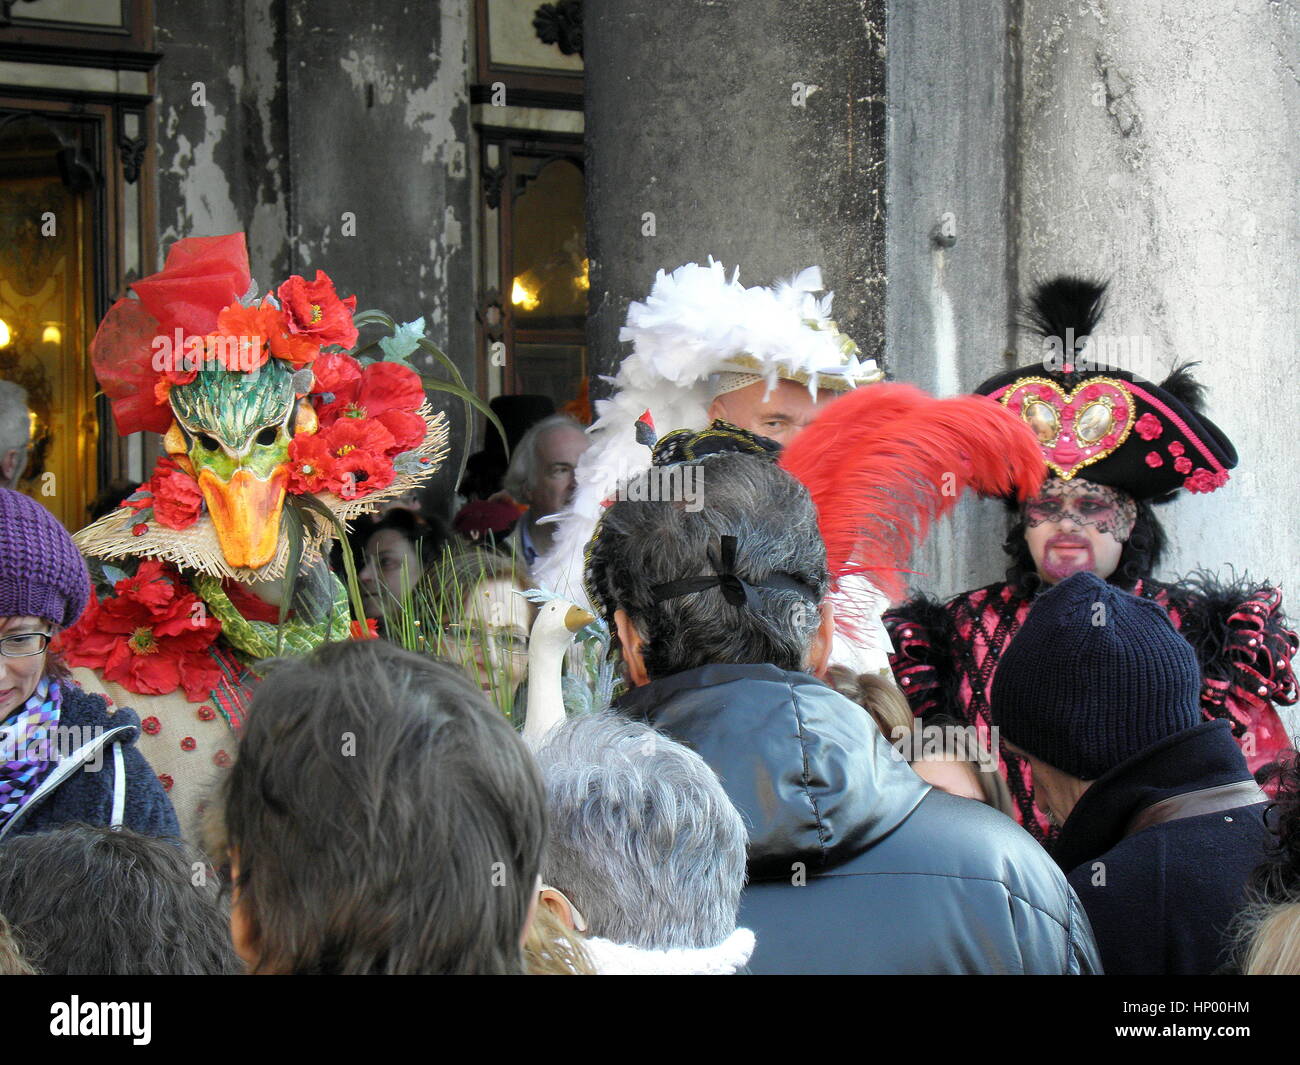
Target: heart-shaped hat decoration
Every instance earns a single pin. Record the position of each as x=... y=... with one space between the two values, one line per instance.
x=1077 y=430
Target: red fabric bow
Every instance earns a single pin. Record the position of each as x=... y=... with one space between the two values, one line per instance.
x=203 y=275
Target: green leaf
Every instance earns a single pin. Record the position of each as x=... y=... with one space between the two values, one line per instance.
x=309 y=502
x=405 y=339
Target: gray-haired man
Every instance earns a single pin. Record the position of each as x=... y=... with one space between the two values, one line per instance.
x=855 y=863
x=645 y=853
x=541 y=474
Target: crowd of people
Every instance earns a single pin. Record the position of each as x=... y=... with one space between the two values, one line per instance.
x=783 y=762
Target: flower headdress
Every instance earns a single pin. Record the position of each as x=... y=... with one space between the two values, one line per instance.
x=270 y=426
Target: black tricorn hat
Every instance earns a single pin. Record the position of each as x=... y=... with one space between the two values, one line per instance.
x=1109 y=426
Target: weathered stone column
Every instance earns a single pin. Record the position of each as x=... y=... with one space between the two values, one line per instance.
x=1160 y=148
x=752 y=131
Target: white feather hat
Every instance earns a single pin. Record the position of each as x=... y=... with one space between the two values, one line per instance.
x=696 y=325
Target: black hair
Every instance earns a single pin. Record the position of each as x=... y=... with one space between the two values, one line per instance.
x=384 y=818
x=641 y=545
x=94 y=901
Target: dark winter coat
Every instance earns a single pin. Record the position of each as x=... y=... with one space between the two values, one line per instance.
x=1161 y=899
x=856 y=865
x=87 y=794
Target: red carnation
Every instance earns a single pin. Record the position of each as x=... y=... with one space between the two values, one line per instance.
x=177 y=500
x=151 y=637
x=313 y=309
x=1148 y=426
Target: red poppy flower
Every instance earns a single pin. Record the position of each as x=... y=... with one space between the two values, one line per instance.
x=311 y=466
x=362 y=472
x=313 y=309
x=189 y=743
x=166 y=781
x=151 y=725
x=408 y=429
x=356 y=434
x=151 y=637
x=381 y=387
x=242 y=335
x=335 y=373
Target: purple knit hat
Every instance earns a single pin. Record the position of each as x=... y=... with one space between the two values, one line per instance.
x=42 y=574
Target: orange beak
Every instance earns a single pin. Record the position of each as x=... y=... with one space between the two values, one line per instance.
x=245 y=512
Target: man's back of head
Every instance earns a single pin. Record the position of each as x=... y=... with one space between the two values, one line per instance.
x=643 y=841
x=761 y=592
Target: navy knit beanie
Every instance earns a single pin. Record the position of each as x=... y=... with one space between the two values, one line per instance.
x=1093 y=677
x=42 y=574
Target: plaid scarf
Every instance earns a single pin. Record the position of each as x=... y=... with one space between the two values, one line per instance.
x=26 y=736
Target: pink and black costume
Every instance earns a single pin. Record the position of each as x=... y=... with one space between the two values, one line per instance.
x=1146 y=441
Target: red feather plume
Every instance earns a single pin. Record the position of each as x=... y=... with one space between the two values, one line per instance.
x=884 y=461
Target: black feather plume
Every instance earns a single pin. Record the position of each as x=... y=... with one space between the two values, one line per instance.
x=1185 y=388
x=1066 y=303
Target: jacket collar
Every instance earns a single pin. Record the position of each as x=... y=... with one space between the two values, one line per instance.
x=1204 y=756
x=809 y=771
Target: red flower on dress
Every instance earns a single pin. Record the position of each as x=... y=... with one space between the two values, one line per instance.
x=1148 y=427
x=1183 y=464
x=151 y=636
x=1155 y=459
x=189 y=743
x=1175 y=448
x=151 y=725
x=166 y=781
x=311 y=466
x=313 y=309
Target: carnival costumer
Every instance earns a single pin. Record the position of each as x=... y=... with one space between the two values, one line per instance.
x=270 y=432
x=1116 y=446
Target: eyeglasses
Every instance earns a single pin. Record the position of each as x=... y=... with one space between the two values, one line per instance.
x=24 y=644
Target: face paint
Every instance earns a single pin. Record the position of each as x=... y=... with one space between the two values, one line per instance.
x=1077 y=526
x=1108 y=510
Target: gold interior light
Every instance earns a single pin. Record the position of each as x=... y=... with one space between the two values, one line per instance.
x=583 y=280
x=52 y=334
x=5 y=335
x=524 y=295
